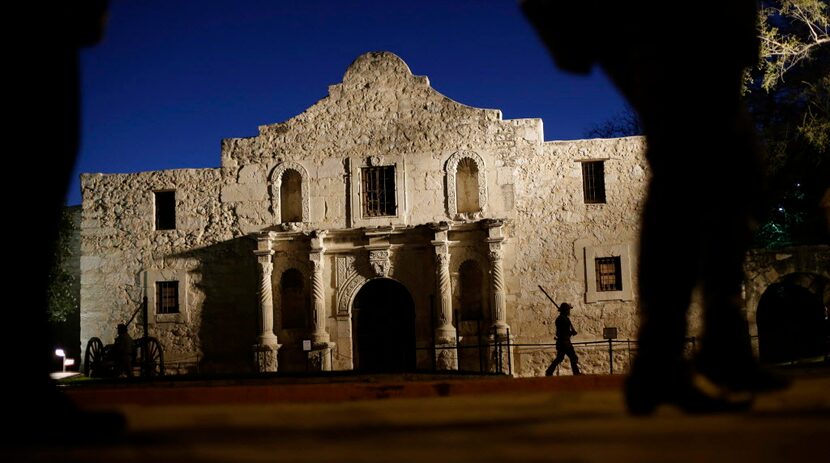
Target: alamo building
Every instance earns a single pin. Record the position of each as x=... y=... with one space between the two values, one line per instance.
x=386 y=228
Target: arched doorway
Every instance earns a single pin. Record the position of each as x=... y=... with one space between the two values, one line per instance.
x=792 y=319
x=383 y=314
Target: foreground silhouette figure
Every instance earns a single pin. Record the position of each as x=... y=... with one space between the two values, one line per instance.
x=564 y=331
x=681 y=71
x=45 y=103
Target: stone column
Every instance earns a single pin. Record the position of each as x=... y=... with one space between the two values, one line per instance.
x=499 y=340
x=319 y=358
x=446 y=353
x=267 y=346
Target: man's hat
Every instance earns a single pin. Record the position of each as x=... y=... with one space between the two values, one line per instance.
x=564 y=306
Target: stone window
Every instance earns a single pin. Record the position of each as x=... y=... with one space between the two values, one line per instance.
x=165 y=210
x=471 y=287
x=378 y=188
x=167 y=297
x=593 y=181
x=166 y=291
x=466 y=186
x=377 y=191
x=293 y=300
x=608 y=271
x=291 y=196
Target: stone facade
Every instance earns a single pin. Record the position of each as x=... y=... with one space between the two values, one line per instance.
x=287 y=223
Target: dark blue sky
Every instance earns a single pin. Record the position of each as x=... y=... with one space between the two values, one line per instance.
x=173 y=77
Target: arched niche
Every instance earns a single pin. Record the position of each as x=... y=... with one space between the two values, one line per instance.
x=284 y=186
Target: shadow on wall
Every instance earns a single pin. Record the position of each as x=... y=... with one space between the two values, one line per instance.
x=792 y=319
x=226 y=283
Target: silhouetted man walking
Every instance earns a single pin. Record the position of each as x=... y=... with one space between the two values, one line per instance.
x=564 y=331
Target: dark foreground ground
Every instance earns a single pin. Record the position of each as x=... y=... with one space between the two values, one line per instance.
x=447 y=419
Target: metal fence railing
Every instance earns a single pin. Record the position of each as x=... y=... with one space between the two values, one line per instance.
x=492 y=354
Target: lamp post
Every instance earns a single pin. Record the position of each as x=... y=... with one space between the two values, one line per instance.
x=60 y=353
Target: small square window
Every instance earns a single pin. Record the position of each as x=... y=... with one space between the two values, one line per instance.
x=609 y=273
x=379 y=191
x=167 y=297
x=165 y=204
x=593 y=181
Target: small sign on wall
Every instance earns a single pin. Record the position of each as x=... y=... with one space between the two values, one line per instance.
x=609 y=333
x=306 y=345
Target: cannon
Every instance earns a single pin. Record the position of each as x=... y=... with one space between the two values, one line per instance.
x=101 y=361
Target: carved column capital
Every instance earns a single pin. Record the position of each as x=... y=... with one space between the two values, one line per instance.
x=496 y=254
x=317 y=237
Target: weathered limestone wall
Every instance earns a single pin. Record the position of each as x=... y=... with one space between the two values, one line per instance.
x=205 y=251
x=552 y=232
x=379 y=110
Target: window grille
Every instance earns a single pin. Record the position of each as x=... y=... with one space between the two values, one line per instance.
x=379 y=191
x=167 y=297
x=609 y=274
x=593 y=181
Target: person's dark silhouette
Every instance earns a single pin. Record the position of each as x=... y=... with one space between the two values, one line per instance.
x=681 y=71
x=44 y=105
x=123 y=351
x=564 y=331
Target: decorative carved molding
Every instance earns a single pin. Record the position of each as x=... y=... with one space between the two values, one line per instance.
x=451 y=171
x=380 y=262
x=374 y=161
x=347 y=292
x=276 y=183
x=345 y=268
x=495 y=255
x=446 y=360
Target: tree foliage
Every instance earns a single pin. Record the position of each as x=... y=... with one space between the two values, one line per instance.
x=788 y=93
x=623 y=124
x=63 y=286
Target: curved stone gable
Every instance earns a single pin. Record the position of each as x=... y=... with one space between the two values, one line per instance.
x=379 y=104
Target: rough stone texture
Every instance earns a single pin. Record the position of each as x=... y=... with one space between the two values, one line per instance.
x=380 y=114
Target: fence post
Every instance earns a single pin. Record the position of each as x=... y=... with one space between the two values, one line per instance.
x=481 y=355
x=509 y=356
x=611 y=354
x=499 y=363
x=457 y=316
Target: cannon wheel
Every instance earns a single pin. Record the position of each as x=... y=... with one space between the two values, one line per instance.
x=152 y=357
x=93 y=357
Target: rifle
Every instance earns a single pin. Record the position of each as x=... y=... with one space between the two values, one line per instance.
x=549 y=298
x=135 y=313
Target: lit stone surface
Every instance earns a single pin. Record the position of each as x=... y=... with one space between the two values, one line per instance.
x=379 y=115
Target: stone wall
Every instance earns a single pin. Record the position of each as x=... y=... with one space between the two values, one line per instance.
x=120 y=248
x=380 y=110
x=554 y=229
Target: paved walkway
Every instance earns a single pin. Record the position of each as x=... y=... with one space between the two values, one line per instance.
x=537 y=419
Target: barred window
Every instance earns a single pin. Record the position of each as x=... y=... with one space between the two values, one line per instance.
x=165 y=205
x=167 y=297
x=379 y=191
x=609 y=273
x=593 y=181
